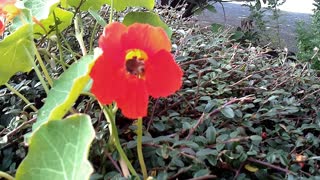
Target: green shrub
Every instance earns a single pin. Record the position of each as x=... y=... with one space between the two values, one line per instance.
x=309 y=38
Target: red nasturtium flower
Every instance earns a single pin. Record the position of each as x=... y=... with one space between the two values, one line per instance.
x=135 y=63
x=2 y=26
x=8 y=11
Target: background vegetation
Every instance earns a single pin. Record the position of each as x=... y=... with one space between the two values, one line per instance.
x=242 y=113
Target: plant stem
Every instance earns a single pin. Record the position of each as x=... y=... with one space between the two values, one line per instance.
x=92 y=37
x=36 y=69
x=111 y=12
x=6 y=176
x=43 y=67
x=139 y=149
x=110 y=116
x=59 y=42
x=68 y=48
x=12 y=89
x=79 y=34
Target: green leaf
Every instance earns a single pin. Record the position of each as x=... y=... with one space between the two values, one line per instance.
x=88 y=4
x=237 y=35
x=201 y=173
x=256 y=138
x=228 y=112
x=211 y=8
x=16 y=53
x=40 y=9
x=121 y=5
x=186 y=143
x=206 y=152
x=209 y=106
x=23 y=18
x=64 y=18
x=211 y=134
x=58 y=151
x=97 y=17
x=216 y=27
x=65 y=91
x=148 y=18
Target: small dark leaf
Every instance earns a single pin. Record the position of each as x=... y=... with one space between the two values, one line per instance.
x=211 y=134
x=201 y=172
x=228 y=112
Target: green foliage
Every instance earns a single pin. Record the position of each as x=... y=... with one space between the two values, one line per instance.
x=59 y=150
x=240 y=114
x=308 y=39
x=146 y=17
x=16 y=53
x=257 y=15
x=40 y=8
x=65 y=91
x=121 y=5
x=47 y=26
x=84 y=5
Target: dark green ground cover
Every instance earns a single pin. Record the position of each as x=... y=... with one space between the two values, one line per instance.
x=241 y=114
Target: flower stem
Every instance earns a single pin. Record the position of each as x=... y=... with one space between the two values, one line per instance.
x=6 y=176
x=12 y=89
x=43 y=67
x=111 y=12
x=139 y=149
x=110 y=116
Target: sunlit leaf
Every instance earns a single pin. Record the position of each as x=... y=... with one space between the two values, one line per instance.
x=148 y=18
x=23 y=18
x=64 y=18
x=121 y=5
x=40 y=9
x=85 y=5
x=251 y=168
x=58 y=151
x=65 y=91
x=16 y=53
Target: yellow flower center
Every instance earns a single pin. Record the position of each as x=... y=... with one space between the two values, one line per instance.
x=135 y=59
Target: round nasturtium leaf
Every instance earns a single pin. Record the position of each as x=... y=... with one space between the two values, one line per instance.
x=65 y=91
x=64 y=18
x=148 y=18
x=58 y=150
x=121 y=5
x=16 y=52
x=85 y=5
x=40 y=9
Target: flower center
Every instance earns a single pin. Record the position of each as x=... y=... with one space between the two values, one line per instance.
x=135 y=59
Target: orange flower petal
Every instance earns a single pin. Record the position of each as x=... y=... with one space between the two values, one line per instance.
x=2 y=26
x=108 y=79
x=147 y=38
x=163 y=75
x=134 y=102
x=108 y=68
x=110 y=41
